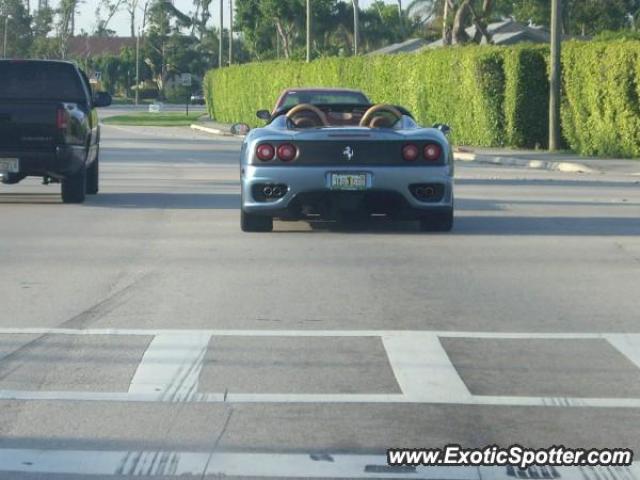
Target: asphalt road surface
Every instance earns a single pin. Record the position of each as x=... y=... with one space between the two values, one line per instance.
x=143 y=333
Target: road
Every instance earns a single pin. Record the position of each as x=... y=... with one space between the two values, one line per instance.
x=143 y=333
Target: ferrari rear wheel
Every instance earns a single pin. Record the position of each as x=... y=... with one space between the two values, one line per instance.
x=255 y=223
x=437 y=221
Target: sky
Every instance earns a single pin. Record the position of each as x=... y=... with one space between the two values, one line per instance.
x=86 y=20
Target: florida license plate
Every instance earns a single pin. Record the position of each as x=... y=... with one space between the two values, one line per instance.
x=348 y=181
x=9 y=165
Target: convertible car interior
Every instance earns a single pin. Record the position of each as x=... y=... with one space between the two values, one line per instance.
x=346 y=115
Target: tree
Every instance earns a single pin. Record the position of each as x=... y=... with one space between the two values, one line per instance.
x=102 y=24
x=265 y=24
x=19 y=34
x=580 y=17
x=587 y=17
x=286 y=15
x=459 y=15
x=258 y=33
x=65 y=25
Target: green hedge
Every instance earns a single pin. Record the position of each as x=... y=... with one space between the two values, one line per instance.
x=600 y=107
x=526 y=105
x=491 y=96
x=462 y=87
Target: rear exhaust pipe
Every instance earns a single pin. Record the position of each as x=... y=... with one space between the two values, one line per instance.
x=420 y=192
x=429 y=191
x=267 y=191
x=277 y=191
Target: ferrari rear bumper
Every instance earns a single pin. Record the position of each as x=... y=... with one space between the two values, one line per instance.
x=302 y=191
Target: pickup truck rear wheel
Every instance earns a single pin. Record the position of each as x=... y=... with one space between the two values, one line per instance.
x=74 y=187
x=255 y=223
x=93 y=174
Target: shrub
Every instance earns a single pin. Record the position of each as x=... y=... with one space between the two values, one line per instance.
x=177 y=94
x=462 y=87
x=488 y=95
x=600 y=107
x=526 y=106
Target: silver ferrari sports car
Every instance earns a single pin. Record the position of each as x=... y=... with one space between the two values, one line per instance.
x=345 y=161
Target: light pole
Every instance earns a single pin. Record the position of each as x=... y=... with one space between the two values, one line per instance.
x=221 y=34
x=138 y=67
x=554 y=77
x=308 y=31
x=230 y=32
x=356 y=27
x=4 y=43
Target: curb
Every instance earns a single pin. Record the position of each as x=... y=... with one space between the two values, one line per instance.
x=214 y=131
x=564 y=167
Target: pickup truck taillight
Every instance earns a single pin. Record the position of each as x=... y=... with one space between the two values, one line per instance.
x=62 y=118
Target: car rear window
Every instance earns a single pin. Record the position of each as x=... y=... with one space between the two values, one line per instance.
x=40 y=81
x=324 y=98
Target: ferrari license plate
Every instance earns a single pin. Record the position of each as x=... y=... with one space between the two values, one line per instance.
x=9 y=165
x=348 y=181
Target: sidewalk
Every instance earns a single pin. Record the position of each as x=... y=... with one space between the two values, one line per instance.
x=541 y=159
x=566 y=162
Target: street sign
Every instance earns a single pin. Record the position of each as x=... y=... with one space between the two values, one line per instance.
x=185 y=79
x=156 y=107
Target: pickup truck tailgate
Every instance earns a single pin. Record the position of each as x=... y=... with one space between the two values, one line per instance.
x=29 y=126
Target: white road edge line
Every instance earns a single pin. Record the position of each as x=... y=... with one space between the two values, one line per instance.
x=278 y=465
x=320 y=398
x=308 y=333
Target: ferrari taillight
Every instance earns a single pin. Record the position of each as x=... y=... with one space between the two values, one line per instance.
x=410 y=152
x=265 y=152
x=287 y=152
x=432 y=152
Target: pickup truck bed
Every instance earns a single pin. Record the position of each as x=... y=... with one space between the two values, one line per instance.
x=49 y=126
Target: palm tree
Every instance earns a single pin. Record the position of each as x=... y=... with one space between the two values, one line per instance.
x=424 y=9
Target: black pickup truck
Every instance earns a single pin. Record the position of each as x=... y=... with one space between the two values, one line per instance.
x=49 y=126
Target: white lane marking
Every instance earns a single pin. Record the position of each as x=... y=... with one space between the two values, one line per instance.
x=631 y=472
x=76 y=462
x=275 y=465
x=150 y=463
x=321 y=398
x=331 y=466
x=104 y=396
x=309 y=333
x=170 y=367
x=423 y=369
x=628 y=345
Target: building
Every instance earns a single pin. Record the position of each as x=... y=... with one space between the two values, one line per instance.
x=507 y=32
x=408 y=46
x=86 y=47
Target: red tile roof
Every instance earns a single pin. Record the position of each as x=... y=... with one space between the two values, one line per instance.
x=94 y=46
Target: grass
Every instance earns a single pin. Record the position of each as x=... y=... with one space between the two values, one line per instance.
x=116 y=100
x=167 y=119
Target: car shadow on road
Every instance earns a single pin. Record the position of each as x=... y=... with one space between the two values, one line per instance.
x=581 y=182
x=547 y=226
x=160 y=200
x=488 y=225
